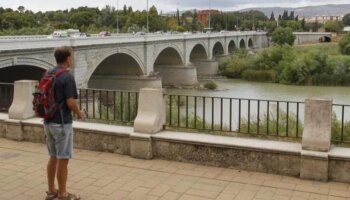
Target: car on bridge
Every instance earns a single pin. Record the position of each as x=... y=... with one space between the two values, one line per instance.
x=104 y=34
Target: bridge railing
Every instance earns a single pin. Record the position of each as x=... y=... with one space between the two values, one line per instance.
x=6 y=96
x=253 y=117
x=110 y=106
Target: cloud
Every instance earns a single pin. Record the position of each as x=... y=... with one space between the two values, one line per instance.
x=164 y=5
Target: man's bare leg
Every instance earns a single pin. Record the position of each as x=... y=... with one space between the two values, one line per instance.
x=62 y=173
x=51 y=174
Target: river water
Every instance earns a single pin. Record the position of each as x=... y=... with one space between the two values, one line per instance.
x=269 y=91
x=231 y=88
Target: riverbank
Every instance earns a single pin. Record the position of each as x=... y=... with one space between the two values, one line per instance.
x=319 y=64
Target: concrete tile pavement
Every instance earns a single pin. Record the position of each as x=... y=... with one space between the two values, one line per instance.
x=98 y=175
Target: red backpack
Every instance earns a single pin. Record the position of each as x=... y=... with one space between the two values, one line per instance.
x=44 y=103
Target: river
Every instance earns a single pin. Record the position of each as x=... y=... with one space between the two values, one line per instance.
x=232 y=88
x=269 y=91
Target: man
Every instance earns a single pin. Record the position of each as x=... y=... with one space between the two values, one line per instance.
x=59 y=130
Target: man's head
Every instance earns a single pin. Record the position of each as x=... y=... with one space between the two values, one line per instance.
x=64 y=56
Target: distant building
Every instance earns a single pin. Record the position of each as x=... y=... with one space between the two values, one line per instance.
x=346 y=29
x=323 y=19
x=203 y=15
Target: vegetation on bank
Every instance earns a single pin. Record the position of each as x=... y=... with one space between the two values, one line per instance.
x=320 y=64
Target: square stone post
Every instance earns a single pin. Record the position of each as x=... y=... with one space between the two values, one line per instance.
x=150 y=119
x=316 y=141
x=21 y=108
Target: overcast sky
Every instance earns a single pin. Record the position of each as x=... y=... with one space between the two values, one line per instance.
x=163 y=5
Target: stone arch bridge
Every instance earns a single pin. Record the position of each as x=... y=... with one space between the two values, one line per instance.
x=126 y=61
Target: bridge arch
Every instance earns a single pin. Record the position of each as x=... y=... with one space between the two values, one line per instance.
x=242 y=44
x=218 y=49
x=198 y=52
x=169 y=55
x=250 y=43
x=21 y=68
x=113 y=68
x=325 y=39
x=232 y=46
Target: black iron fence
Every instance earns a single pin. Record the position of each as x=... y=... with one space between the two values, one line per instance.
x=109 y=105
x=6 y=96
x=205 y=114
x=341 y=124
x=248 y=116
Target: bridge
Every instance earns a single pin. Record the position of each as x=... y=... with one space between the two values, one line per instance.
x=131 y=62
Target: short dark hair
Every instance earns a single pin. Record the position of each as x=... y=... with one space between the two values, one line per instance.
x=62 y=53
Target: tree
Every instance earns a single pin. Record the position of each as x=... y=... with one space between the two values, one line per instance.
x=346 y=19
x=344 y=44
x=283 y=36
x=334 y=26
x=21 y=9
x=272 y=17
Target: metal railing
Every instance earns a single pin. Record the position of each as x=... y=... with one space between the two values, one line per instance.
x=341 y=124
x=222 y=114
x=255 y=117
x=109 y=105
x=6 y=96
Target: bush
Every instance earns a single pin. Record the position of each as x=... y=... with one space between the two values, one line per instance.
x=282 y=36
x=211 y=85
x=260 y=75
x=344 y=44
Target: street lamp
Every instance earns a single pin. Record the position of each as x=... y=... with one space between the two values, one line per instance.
x=117 y=17
x=209 y=17
x=147 y=17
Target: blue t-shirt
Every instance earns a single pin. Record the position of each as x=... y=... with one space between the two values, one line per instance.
x=65 y=88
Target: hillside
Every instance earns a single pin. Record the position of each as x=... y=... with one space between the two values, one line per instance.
x=328 y=10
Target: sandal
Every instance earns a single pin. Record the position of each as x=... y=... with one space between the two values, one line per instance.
x=69 y=197
x=51 y=196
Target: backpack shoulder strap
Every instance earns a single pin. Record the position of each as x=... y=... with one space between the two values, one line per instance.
x=60 y=71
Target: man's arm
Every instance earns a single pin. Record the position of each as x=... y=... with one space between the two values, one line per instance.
x=72 y=105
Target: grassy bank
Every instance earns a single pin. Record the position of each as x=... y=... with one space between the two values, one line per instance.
x=319 y=64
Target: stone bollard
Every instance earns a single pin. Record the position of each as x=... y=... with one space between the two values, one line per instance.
x=316 y=141
x=150 y=119
x=21 y=108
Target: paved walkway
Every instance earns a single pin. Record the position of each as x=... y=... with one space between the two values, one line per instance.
x=96 y=175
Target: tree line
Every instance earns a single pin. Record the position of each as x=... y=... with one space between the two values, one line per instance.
x=93 y=20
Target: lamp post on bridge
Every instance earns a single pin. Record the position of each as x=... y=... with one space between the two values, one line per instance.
x=117 y=17
x=147 y=18
x=209 y=17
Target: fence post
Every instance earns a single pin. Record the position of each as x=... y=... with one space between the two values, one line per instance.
x=316 y=141
x=150 y=119
x=21 y=108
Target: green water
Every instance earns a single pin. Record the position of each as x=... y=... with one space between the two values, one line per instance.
x=269 y=91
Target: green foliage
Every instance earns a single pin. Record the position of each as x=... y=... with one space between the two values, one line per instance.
x=234 y=66
x=283 y=36
x=211 y=85
x=334 y=26
x=312 y=65
x=344 y=44
x=346 y=19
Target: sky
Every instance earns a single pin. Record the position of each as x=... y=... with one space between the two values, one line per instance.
x=163 y=5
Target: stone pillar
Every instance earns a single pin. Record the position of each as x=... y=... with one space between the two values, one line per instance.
x=222 y=58
x=177 y=75
x=22 y=104
x=21 y=108
x=206 y=67
x=150 y=119
x=316 y=141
